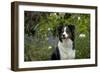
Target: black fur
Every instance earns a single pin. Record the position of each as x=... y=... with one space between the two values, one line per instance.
x=56 y=54
x=72 y=29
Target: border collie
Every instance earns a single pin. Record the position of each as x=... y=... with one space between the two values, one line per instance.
x=65 y=48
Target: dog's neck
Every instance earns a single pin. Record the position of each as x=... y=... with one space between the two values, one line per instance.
x=66 y=44
x=65 y=48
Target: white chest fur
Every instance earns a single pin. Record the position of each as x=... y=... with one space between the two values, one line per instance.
x=65 y=49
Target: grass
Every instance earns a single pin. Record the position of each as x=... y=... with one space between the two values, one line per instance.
x=37 y=50
x=82 y=46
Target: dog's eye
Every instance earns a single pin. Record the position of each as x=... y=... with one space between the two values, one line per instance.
x=62 y=30
x=67 y=30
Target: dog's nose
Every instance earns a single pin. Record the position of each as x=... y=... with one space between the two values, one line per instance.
x=63 y=35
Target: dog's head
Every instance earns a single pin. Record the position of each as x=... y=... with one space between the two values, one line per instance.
x=66 y=32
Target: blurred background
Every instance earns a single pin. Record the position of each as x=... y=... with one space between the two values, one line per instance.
x=40 y=34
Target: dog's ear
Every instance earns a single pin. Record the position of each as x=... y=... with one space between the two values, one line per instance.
x=59 y=28
x=59 y=31
x=72 y=29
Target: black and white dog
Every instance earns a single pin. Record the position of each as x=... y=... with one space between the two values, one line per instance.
x=65 y=48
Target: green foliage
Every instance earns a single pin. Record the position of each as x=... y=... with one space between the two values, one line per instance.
x=40 y=26
x=36 y=50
